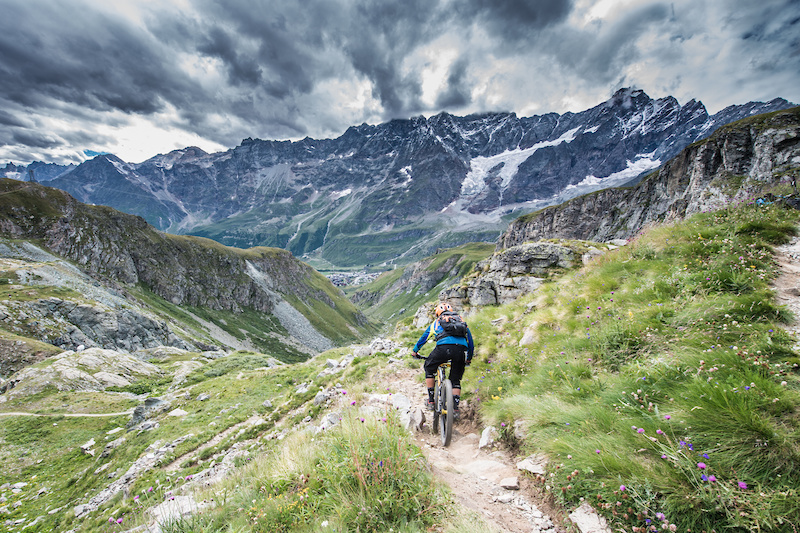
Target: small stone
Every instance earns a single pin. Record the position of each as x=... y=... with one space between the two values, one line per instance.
x=510 y=483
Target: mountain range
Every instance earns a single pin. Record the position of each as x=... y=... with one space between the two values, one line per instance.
x=395 y=192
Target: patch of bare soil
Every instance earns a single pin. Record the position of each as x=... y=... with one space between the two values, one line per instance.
x=476 y=475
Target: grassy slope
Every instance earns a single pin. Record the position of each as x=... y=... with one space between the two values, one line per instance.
x=659 y=380
x=406 y=303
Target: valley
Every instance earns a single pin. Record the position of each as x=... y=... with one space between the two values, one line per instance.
x=631 y=348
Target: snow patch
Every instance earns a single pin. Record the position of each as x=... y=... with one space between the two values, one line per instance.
x=335 y=195
x=510 y=161
x=120 y=167
x=593 y=129
x=406 y=171
x=643 y=163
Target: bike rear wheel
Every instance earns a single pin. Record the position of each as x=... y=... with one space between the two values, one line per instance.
x=448 y=413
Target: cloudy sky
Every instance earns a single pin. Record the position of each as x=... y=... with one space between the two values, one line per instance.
x=142 y=77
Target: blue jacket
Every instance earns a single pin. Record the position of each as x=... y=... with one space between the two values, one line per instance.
x=437 y=329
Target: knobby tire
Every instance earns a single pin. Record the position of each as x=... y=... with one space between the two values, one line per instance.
x=448 y=412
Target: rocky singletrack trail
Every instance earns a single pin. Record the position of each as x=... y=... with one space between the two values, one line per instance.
x=787 y=285
x=477 y=475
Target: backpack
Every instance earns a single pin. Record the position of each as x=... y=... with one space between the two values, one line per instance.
x=452 y=326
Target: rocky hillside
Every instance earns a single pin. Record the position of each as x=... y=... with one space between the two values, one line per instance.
x=737 y=162
x=399 y=293
x=400 y=190
x=117 y=265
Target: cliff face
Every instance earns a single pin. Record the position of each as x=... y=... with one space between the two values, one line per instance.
x=189 y=271
x=737 y=162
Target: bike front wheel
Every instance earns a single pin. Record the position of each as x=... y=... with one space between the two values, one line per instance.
x=447 y=407
x=437 y=394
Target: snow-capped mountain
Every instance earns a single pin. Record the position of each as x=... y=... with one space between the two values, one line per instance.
x=395 y=191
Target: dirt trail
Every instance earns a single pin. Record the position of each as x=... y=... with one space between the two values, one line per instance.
x=787 y=286
x=474 y=475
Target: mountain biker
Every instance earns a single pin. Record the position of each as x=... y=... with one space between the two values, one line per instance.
x=453 y=347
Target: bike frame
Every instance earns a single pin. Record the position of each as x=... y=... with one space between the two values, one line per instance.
x=444 y=405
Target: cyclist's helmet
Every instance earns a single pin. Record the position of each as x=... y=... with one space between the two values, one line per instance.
x=442 y=307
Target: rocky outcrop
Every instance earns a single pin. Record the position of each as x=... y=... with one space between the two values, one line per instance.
x=737 y=162
x=68 y=324
x=88 y=371
x=509 y=274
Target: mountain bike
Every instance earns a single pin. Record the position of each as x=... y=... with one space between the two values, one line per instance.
x=443 y=405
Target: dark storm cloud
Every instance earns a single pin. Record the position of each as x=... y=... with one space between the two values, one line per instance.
x=35 y=139
x=227 y=70
x=241 y=70
x=515 y=19
x=615 y=46
x=47 y=53
x=6 y=119
x=456 y=94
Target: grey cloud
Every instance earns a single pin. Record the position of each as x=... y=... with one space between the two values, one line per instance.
x=457 y=92
x=70 y=61
x=240 y=70
x=512 y=20
x=617 y=44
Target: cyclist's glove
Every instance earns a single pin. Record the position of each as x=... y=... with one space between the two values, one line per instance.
x=415 y=355
x=468 y=361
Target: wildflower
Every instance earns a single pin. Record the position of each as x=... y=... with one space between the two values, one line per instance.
x=660 y=516
x=701 y=466
x=353 y=402
x=704 y=477
x=705 y=455
x=502 y=424
x=622 y=488
x=111 y=520
x=712 y=478
x=659 y=432
x=344 y=392
x=667 y=417
x=663 y=456
x=189 y=477
x=119 y=520
x=640 y=430
x=150 y=489
x=597 y=451
x=743 y=485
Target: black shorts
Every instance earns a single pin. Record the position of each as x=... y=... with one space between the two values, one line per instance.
x=455 y=353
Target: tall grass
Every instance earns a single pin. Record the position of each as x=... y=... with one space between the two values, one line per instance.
x=660 y=381
x=364 y=475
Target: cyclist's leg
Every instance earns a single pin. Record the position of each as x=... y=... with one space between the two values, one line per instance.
x=437 y=356
x=457 y=365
